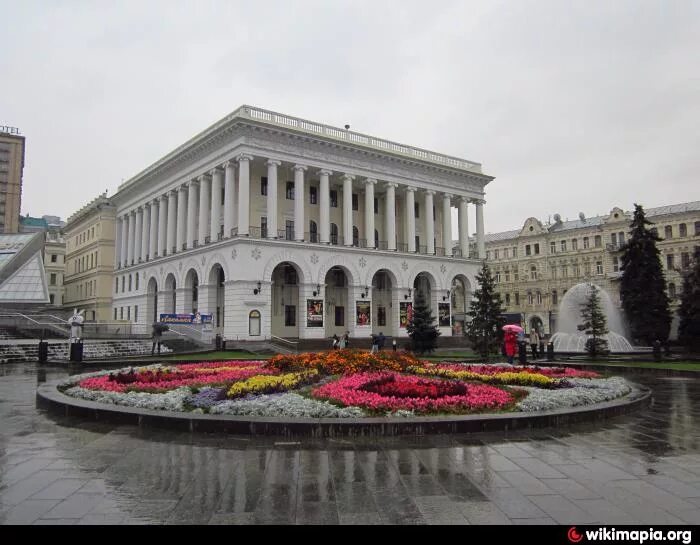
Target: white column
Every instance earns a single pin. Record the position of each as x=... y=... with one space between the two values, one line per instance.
x=125 y=241
x=463 y=227
x=130 y=250
x=181 y=218
x=229 y=197
x=272 y=165
x=299 y=196
x=216 y=179
x=172 y=223
x=429 y=222
x=369 y=211
x=204 y=208
x=411 y=218
x=117 y=243
x=390 y=214
x=447 y=223
x=145 y=230
x=138 y=239
x=162 y=226
x=325 y=205
x=153 y=231
x=191 y=236
x=347 y=209
x=244 y=194
x=480 y=245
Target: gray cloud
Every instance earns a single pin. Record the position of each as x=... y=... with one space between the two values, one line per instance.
x=573 y=106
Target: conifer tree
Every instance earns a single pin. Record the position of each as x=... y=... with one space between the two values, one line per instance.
x=422 y=328
x=689 y=311
x=643 y=286
x=484 y=330
x=594 y=324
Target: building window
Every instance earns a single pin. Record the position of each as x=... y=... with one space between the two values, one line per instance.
x=517 y=299
x=52 y=280
x=564 y=271
x=313 y=195
x=290 y=191
x=554 y=272
x=563 y=245
x=515 y=251
x=334 y=233
x=555 y=297
x=290 y=315
x=263 y=226
x=616 y=264
x=498 y=277
x=115 y=313
x=263 y=186
x=290 y=276
x=537 y=249
x=355 y=202
x=552 y=247
x=507 y=299
x=599 y=267
x=495 y=254
x=685 y=260
x=574 y=244
x=669 y=261
x=533 y=273
x=54 y=258
x=116 y=286
x=488 y=255
x=130 y=282
x=577 y=270
x=136 y=313
x=289 y=230
x=376 y=205
x=672 y=290
x=613 y=239
x=376 y=239
x=355 y=236
x=254 y=323
x=123 y=279
x=313 y=231
x=621 y=238
x=505 y=253
x=507 y=275
x=416 y=209
x=51 y=298
x=527 y=250
x=334 y=198
x=340 y=316
x=539 y=298
x=137 y=282
x=598 y=241
x=654 y=231
x=530 y=300
x=121 y=313
x=585 y=243
x=668 y=231
x=381 y=315
x=128 y=313
x=682 y=230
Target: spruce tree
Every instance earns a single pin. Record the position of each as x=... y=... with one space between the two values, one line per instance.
x=594 y=324
x=643 y=286
x=689 y=311
x=484 y=330
x=422 y=328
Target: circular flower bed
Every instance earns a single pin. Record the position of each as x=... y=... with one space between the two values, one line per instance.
x=344 y=383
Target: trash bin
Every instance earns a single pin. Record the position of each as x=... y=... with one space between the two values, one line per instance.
x=223 y=344
x=550 y=351
x=76 y=352
x=43 y=351
x=217 y=341
x=522 y=352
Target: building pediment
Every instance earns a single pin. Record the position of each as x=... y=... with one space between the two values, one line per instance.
x=532 y=227
x=617 y=215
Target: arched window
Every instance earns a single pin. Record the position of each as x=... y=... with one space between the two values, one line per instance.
x=355 y=236
x=334 y=233
x=682 y=230
x=533 y=272
x=313 y=231
x=254 y=323
x=529 y=298
x=539 y=298
x=555 y=297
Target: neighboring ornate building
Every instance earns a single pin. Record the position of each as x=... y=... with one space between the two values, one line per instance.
x=55 y=265
x=89 y=259
x=279 y=226
x=11 y=172
x=536 y=265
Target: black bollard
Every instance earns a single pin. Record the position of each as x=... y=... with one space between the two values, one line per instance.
x=657 y=350
x=522 y=352
x=76 y=352
x=217 y=341
x=550 y=351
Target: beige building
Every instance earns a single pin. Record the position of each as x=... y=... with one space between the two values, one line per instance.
x=89 y=259
x=11 y=169
x=54 y=265
x=534 y=266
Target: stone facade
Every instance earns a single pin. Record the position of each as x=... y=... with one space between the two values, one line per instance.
x=55 y=265
x=264 y=216
x=11 y=172
x=535 y=265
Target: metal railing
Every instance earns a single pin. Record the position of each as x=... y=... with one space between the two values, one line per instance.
x=290 y=345
x=402 y=247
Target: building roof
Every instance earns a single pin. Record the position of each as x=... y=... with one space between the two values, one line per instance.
x=595 y=221
x=22 y=278
x=28 y=221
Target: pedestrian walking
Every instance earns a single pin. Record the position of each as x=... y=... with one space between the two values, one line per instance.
x=375 y=344
x=534 y=342
x=336 y=341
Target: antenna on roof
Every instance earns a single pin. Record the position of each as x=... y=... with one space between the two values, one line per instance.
x=347 y=127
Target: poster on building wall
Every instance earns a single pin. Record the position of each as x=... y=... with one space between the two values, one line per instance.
x=405 y=314
x=197 y=318
x=364 y=309
x=314 y=313
x=444 y=314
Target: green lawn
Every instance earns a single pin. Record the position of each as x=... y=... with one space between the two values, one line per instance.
x=221 y=355
x=679 y=365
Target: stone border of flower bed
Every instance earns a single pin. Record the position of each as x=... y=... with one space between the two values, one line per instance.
x=50 y=398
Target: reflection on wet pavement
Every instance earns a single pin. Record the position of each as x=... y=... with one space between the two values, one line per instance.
x=639 y=469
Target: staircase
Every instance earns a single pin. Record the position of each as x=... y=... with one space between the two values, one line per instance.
x=25 y=352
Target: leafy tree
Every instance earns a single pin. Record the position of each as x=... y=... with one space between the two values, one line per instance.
x=643 y=286
x=484 y=330
x=689 y=311
x=422 y=328
x=594 y=324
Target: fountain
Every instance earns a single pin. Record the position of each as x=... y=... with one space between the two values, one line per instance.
x=569 y=339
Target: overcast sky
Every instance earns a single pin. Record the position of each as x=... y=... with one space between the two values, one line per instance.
x=572 y=105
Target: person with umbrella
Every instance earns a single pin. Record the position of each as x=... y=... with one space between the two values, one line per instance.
x=156 y=335
x=511 y=340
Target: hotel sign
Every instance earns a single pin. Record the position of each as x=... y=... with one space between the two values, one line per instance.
x=9 y=130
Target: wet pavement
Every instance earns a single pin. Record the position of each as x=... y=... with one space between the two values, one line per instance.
x=640 y=469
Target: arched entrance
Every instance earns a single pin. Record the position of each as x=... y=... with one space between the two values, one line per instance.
x=192 y=293
x=216 y=285
x=338 y=311
x=536 y=325
x=170 y=298
x=286 y=278
x=152 y=300
x=461 y=299
x=383 y=283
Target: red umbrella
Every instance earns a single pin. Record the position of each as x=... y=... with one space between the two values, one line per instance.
x=512 y=327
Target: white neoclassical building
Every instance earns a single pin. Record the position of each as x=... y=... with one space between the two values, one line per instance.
x=284 y=227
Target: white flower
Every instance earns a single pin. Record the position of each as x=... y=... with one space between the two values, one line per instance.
x=288 y=405
x=586 y=391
